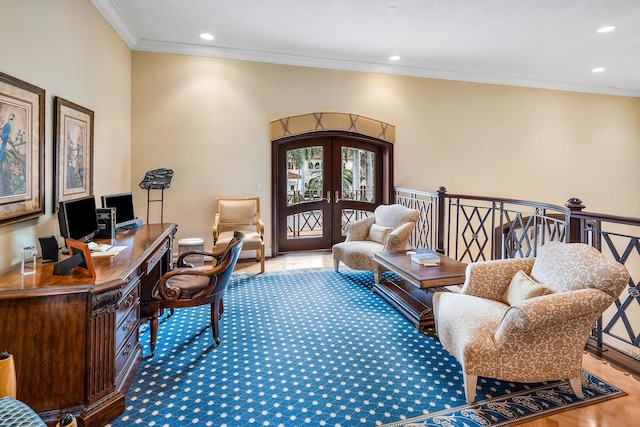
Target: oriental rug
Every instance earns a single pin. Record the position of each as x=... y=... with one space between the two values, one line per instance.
x=318 y=348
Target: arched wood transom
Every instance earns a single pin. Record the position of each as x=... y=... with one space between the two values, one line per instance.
x=318 y=122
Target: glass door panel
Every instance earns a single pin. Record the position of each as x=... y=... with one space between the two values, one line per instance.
x=304 y=174
x=304 y=185
x=358 y=172
x=358 y=187
x=322 y=183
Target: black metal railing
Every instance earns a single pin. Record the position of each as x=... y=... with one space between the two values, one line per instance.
x=477 y=228
x=310 y=223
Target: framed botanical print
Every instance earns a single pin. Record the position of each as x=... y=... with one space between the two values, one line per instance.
x=21 y=150
x=73 y=147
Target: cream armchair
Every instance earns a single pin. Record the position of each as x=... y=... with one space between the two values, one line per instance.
x=239 y=214
x=528 y=320
x=388 y=229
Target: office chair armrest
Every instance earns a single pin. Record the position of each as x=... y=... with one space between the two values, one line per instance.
x=172 y=293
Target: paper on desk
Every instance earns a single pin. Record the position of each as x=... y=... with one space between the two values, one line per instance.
x=113 y=251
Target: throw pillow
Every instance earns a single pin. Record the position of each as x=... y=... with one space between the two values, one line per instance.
x=523 y=287
x=378 y=233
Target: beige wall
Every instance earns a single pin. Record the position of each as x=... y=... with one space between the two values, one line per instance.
x=208 y=120
x=68 y=49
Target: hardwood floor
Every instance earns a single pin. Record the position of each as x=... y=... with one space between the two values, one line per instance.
x=619 y=412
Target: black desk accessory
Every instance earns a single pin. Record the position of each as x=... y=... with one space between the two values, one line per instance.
x=63 y=268
x=80 y=259
x=49 y=248
x=157 y=179
x=106 y=223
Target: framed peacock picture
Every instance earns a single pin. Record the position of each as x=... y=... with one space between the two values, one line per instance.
x=21 y=150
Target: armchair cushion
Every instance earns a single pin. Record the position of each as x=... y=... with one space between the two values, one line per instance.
x=359 y=230
x=523 y=287
x=379 y=234
x=490 y=279
x=251 y=238
x=187 y=285
x=238 y=210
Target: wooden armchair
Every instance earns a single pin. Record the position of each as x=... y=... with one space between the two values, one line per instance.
x=239 y=214
x=190 y=287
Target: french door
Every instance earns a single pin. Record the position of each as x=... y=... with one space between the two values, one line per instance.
x=323 y=182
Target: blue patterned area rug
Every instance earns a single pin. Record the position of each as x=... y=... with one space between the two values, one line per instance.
x=318 y=348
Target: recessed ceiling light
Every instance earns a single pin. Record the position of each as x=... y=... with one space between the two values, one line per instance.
x=206 y=36
x=606 y=29
x=394 y=58
x=598 y=70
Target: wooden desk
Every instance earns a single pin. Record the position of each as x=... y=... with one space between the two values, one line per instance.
x=411 y=296
x=75 y=339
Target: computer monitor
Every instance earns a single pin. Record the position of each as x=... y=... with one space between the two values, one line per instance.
x=78 y=219
x=123 y=203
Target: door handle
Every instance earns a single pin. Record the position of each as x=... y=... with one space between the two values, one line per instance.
x=328 y=198
x=338 y=196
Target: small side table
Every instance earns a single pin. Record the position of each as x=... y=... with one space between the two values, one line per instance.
x=192 y=244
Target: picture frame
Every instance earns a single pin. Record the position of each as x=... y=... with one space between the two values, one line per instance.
x=73 y=152
x=21 y=150
x=86 y=267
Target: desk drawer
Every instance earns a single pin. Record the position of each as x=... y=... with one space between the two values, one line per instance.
x=123 y=355
x=128 y=324
x=126 y=303
x=156 y=256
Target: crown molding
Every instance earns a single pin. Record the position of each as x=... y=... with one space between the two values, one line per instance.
x=117 y=21
x=122 y=27
x=336 y=64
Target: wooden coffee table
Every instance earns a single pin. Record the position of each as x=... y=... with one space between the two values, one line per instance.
x=411 y=294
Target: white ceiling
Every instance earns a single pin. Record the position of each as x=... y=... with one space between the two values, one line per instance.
x=534 y=43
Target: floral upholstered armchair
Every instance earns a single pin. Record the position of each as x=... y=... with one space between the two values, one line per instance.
x=528 y=319
x=388 y=229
